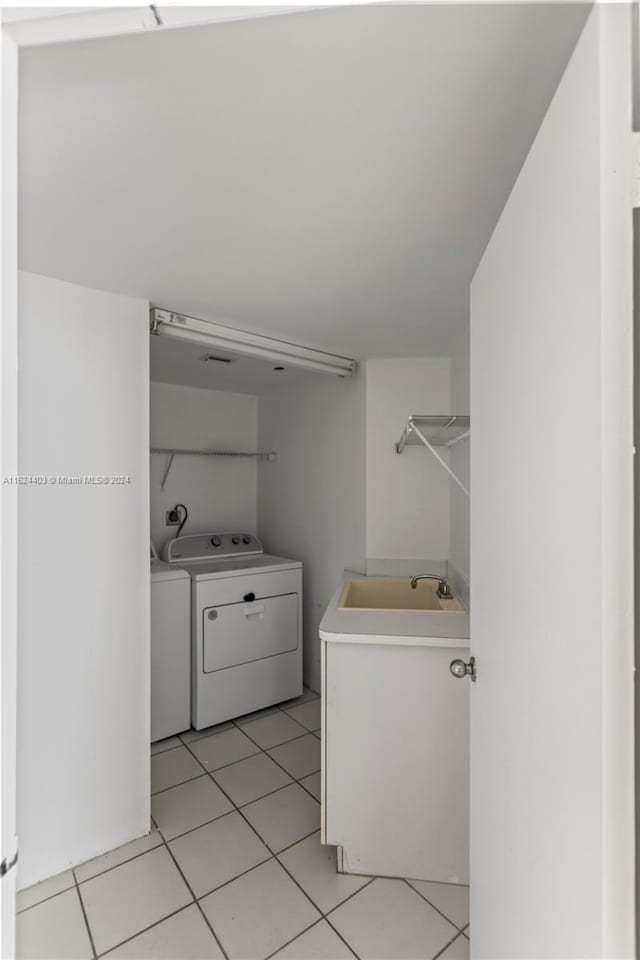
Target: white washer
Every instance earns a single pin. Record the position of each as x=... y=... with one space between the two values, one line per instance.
x=170 y=649
x=246 y=625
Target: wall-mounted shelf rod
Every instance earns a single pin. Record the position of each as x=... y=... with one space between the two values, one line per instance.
x=172 y=452
x=444 y=431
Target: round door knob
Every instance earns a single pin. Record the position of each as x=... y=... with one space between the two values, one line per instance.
x=249 y=597
x=460 y=669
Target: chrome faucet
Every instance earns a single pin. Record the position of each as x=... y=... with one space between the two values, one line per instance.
x=443 y=591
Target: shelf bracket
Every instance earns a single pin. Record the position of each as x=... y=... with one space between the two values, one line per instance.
x=440 y=460
x=167 y=469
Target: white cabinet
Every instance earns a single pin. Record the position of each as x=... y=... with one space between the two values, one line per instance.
x=395 y=778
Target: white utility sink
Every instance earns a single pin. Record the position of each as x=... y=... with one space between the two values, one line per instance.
x=396 y=595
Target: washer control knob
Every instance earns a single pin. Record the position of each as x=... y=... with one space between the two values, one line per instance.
x=246 y=539
x=235 y=539
x=216 y=541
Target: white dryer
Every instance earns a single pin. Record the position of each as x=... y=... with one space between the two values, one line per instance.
x=246 y=624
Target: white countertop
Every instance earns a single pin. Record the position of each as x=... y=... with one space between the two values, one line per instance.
x=415 y=628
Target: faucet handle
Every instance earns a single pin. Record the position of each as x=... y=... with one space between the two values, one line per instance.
x=444 y=590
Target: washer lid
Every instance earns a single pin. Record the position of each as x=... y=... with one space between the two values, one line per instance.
x=165 y=571
x=239 y=566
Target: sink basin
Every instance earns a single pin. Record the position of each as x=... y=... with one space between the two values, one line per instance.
x=395 y=595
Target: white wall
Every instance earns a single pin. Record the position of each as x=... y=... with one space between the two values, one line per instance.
x=83 y=575
x=219 y=492
x=459 y=460
x=312 y=499
x=8 y=493
x=407 y=495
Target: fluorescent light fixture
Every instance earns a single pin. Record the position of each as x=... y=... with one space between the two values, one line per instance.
x=165 y=323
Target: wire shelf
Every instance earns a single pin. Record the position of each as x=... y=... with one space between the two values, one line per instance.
x=436 y=431
x=172 y=452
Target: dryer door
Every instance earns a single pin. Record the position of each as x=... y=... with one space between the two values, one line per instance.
x=235 y=633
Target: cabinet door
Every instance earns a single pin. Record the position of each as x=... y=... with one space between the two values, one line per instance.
x=552 y=818
x=396 y=742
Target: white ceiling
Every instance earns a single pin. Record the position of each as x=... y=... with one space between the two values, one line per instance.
x=328 y=177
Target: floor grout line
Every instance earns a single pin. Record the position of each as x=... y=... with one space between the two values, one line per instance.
x=338 y=934
x=136 y=856
x=206 y=769
x=274 y=746
x=265 y=749
x=426 y=900
x=226 y=883
x=121 y=943
x=86 y=918
x=45 y=899
x=190 y=889
x=157 y=793
x=293 y=939
x=446 y=946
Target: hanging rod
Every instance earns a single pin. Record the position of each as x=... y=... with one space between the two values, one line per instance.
x=446 y=431
x=172 y=452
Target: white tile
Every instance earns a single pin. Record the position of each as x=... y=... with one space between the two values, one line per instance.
x=185 y=935
x=314 y=867
x=308 y=714
x=120 y=855
x=318 y=943
x=188 y=805
x=54 y=929
x=458 y=950
x=223 y=748
x=251 y=778
x=248 y=717
x=284 y=817
x=274 y=729
x=173 y=767
x=389 y=919
x=277 y=909
x=312 y=784
x=218 y=852
x=190 y=735
x=299 y=757
x=129 y=898
x=44 y=890
x=167 y=744
x=449 y=898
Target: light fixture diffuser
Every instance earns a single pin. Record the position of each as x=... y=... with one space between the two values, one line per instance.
x=166 y=323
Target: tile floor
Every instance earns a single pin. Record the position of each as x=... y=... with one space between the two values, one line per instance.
x=233 y=867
